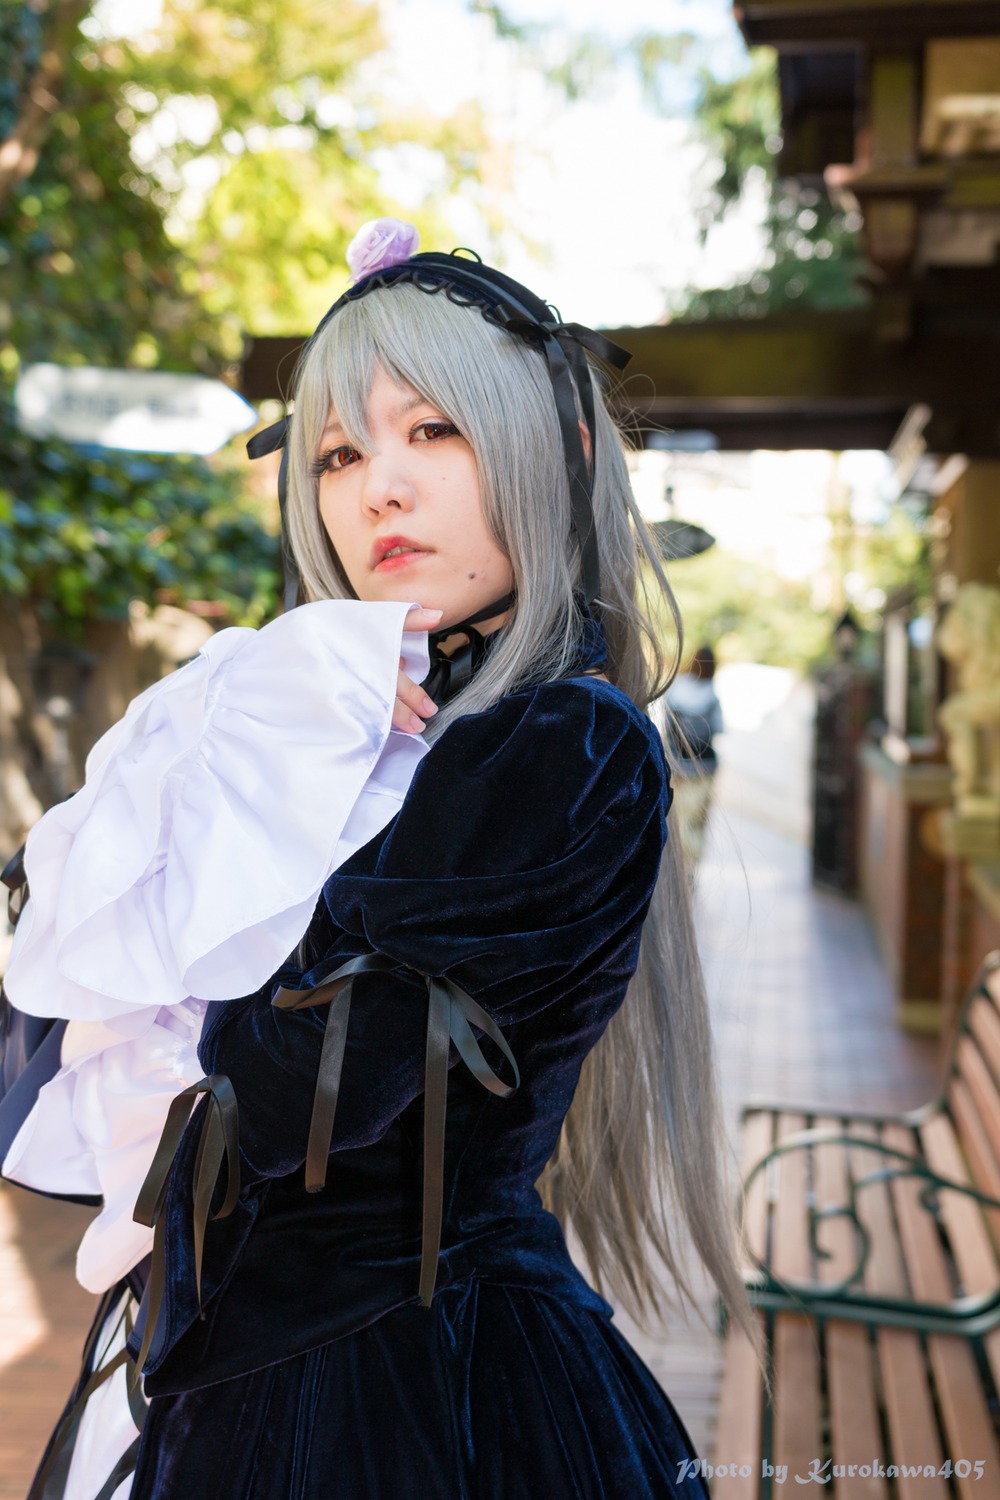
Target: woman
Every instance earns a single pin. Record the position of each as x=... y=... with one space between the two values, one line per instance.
x=381 y=1305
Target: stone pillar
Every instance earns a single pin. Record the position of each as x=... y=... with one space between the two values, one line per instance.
x=971 y=510
x=958 y=963
x=903 y=880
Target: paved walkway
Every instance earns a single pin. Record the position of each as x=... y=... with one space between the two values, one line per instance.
x=802 y=1009
x=44 y=1315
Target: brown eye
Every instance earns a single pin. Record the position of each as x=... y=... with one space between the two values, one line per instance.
x=430 y=432
x=342 y=458
x=333 y=460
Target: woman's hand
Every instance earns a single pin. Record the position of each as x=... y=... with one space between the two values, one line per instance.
x=413 y=707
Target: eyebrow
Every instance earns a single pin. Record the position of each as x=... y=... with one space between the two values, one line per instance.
x=410 y=403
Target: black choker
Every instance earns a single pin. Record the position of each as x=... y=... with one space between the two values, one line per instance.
x=450 y=674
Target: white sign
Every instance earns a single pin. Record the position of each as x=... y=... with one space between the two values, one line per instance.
x=147 y=411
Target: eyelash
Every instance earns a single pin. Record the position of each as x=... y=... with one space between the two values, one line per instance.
x=324 y=463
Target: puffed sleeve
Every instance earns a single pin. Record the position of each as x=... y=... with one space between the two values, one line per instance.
x=188 y=867
x=530 y=838
x=190 y=862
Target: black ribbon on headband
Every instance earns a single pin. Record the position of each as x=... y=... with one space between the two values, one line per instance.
x=512 y=306
x=269 y=439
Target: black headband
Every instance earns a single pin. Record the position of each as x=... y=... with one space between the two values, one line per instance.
x=509 y=305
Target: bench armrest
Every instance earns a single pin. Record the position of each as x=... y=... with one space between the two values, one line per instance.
x=899 y=1164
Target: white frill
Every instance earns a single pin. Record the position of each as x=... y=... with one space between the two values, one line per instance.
x=186 y=870
x=190 y=862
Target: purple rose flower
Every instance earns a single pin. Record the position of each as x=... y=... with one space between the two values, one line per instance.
x=381 y=243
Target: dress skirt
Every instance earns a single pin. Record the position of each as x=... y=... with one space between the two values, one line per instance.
x=494 y=1393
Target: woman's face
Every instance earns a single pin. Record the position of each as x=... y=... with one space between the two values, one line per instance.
x=405 y=518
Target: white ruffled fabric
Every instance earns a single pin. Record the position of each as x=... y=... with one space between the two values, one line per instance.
x=186 y=870
x=190 y=862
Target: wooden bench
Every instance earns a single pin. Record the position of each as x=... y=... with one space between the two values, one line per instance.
x=876 y=1273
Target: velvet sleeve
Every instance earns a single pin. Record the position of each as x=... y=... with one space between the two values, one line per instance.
x=529 y=840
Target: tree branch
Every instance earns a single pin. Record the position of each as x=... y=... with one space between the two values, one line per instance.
x=19 y=151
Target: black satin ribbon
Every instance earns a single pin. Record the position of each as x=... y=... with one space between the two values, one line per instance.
x=578 y=468
x=122 y=1469
x=15 y=877
x=451 y=1014
x=218 y=1145
x=50 y=1481
x=269 y=439
x=599 y=344
x=450 y=672
x=335 y=991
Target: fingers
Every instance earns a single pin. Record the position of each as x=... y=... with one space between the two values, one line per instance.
x=422 y=619
x=413 y=707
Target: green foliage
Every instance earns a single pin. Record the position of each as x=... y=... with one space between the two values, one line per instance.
x=896 y=553
x=577 y=63
x=82 y=534
x=262 y=132
x=812 y=256
x=195 y=182
x=21 y=47
x=812 y=260
x=748 y=612
x=887 y=558
x=90 y=276
x=657 y=58
x=740 y=118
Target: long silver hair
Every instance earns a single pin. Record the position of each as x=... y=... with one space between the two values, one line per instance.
x=641 y=1147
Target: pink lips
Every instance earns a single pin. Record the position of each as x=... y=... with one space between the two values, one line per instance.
x=382 y=563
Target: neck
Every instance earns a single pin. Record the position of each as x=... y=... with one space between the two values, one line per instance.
x=454 y=636
x=483 y=622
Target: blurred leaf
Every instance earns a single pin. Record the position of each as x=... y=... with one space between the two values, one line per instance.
x=80 y=543
x=748 y=612
x=196 y=181
x=812 y=256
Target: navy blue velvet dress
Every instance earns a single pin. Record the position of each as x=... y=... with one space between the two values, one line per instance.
x=520 y=867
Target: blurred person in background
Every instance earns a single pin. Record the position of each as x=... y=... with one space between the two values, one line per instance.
x=692 y=720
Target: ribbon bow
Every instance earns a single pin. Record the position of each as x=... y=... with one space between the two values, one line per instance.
x=451 y=672
x=451 y=1014
x=218 y=1145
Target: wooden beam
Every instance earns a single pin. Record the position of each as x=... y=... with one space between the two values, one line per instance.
x=795 y=380
x=819 y=379
x=808 y=24
x=813 y=357
x=740 y=427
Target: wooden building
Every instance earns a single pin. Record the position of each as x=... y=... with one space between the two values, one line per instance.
x=894 y=105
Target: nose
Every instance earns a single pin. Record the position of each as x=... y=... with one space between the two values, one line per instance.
x=386 y=485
